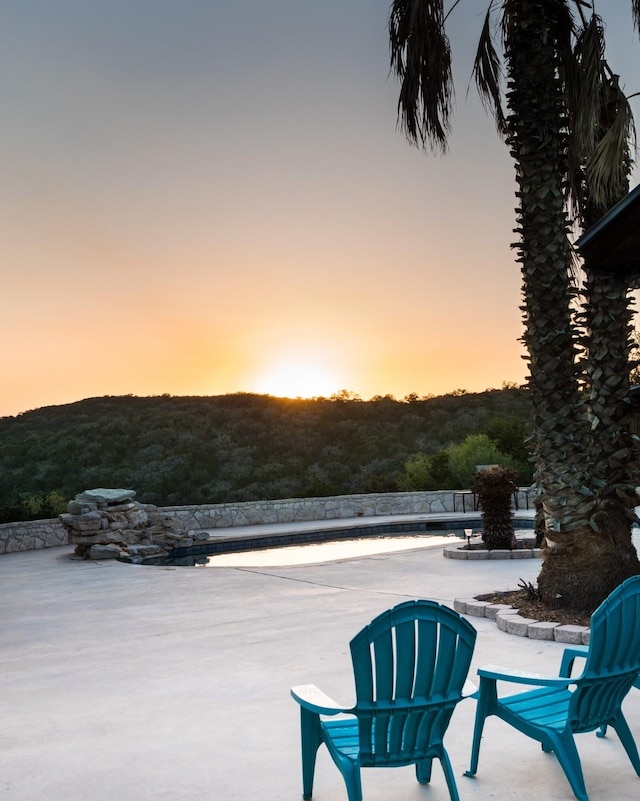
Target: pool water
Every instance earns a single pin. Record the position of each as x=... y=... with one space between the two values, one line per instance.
x=315 y=553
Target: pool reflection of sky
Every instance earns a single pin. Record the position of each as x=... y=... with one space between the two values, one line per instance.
x=329 y=551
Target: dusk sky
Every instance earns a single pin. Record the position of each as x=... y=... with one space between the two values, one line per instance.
x=200 y=198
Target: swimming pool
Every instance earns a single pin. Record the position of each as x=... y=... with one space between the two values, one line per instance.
x=270 y=544
x=310 y=553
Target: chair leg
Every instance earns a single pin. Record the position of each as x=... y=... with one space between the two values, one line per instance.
x=423 y=771
x=626 y=738
x=448 y=774
x=484 y=708
x=564 y=747
x=351 y=773
x=311 y=738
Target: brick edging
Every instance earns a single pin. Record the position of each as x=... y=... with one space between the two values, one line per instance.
x=525 y=550
x=510 y=621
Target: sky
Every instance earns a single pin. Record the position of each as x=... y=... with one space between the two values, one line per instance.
x=201 y=198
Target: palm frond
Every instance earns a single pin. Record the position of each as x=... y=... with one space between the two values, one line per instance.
x=635 y=9
x=488 y=75
x=602 y=127
x=575 y=187
x=582 y=76
x=585 y=89
x=608 y=167
x=421 y=58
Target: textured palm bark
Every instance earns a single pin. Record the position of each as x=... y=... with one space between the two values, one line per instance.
x=581 y=470
x=582 y=567
x=539 y=148
x=613 y=456
x=495 y=487
x=608 y=324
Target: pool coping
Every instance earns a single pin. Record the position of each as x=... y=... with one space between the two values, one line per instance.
x=243 y=538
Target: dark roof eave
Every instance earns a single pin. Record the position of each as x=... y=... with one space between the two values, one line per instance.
x=604 y=222
x=613 y=243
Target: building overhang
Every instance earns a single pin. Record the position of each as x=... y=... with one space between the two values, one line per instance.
x=613 y=243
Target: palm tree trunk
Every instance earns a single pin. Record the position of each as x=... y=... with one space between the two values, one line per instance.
x=613 y=456
x=581 y=565
x=538 y=145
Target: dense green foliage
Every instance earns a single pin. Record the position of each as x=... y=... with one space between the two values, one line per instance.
x=192 y=450
x=503 y=442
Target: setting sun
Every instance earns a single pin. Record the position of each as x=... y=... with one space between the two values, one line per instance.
x=299 y=375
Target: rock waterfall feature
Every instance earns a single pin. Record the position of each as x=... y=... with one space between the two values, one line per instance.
x=111 y=524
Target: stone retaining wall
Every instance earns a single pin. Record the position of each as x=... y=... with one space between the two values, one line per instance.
x=34 y=534
x=295 y=510
x=31 y=535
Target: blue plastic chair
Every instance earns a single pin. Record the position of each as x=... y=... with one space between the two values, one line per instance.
x=410 y=667
x=563 y=706
x=566 y=668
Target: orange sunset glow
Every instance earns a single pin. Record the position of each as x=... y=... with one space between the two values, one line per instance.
x=204 y=198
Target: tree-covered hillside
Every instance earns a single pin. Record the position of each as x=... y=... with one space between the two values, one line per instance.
x=182 y=450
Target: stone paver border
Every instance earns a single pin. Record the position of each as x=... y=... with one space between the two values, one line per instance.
x=510 y=621
x=525 y=549
x=506 y=617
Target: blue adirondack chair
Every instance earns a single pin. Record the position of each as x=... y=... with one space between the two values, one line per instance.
x=566 y=668
x=410 y=667
x=563 y=706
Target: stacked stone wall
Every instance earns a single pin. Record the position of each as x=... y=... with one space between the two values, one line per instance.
x=31 y=535
x=35 y=534
x=294 y=510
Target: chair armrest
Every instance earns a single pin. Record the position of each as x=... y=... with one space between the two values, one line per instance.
x=313 y=699
x=498 y=673
x=571 y=654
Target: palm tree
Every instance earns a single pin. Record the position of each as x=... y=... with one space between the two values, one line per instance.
x=544 y=112
x=602 y=134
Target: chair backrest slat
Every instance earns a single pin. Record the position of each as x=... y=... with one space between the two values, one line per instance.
x=406 y=659
x=427 y=648
x=445 y=674
x=383 y=654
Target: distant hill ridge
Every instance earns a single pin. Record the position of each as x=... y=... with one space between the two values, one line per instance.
x=190 y=450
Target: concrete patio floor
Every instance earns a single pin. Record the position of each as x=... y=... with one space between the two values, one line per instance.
x=129 y=683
